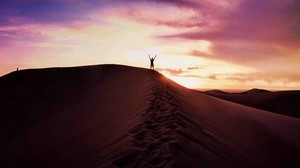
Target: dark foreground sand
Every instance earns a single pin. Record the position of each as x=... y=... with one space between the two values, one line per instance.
x=119 y=116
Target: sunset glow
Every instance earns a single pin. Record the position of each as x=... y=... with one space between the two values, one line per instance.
x=222 y=44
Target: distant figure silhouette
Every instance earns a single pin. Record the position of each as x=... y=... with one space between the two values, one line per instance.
x=152 y=62
x=17 y=69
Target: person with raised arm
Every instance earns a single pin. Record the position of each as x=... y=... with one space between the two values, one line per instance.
x=152 y=62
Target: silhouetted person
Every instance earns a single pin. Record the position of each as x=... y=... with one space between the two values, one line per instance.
x=17 y=69
x=152 y=62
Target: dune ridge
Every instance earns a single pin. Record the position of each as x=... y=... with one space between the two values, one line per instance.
x=164 y=137
x=119 y=116
x=281 y=102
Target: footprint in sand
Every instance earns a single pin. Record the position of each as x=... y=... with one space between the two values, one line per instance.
x=157 y=129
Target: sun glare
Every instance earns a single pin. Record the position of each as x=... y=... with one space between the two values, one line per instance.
x=188 y=82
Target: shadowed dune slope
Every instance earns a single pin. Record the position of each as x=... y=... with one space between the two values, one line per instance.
x=281 y=102
x=119 y=116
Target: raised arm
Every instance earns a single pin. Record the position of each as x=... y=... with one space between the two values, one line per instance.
x=155 y=57
x=149 y=56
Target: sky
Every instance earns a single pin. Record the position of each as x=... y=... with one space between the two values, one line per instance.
x=201 y=44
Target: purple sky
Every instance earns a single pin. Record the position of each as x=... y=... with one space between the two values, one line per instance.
x=200 y=43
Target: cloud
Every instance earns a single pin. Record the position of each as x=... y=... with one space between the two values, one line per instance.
x=194 y=68
x=181 y=71
x=173 y=72
x=264 y=35
x=34 y=21
x=252 y=20
x=20 y=12
x=24 y=33
x=173 y=16
x=199 y=53
x=179 y=3
x=269 y=78
x=242 y=78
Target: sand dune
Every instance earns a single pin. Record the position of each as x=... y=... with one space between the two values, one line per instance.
x=281 y=102
x=119 y=116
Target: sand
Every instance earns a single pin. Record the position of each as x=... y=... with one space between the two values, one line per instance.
x=120 y=116
x=281 y=102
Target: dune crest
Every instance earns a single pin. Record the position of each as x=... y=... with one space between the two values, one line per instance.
x=119 y=116
x=281 y=102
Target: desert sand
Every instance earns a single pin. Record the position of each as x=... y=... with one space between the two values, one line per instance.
x=281 y=102
x=118 y=116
